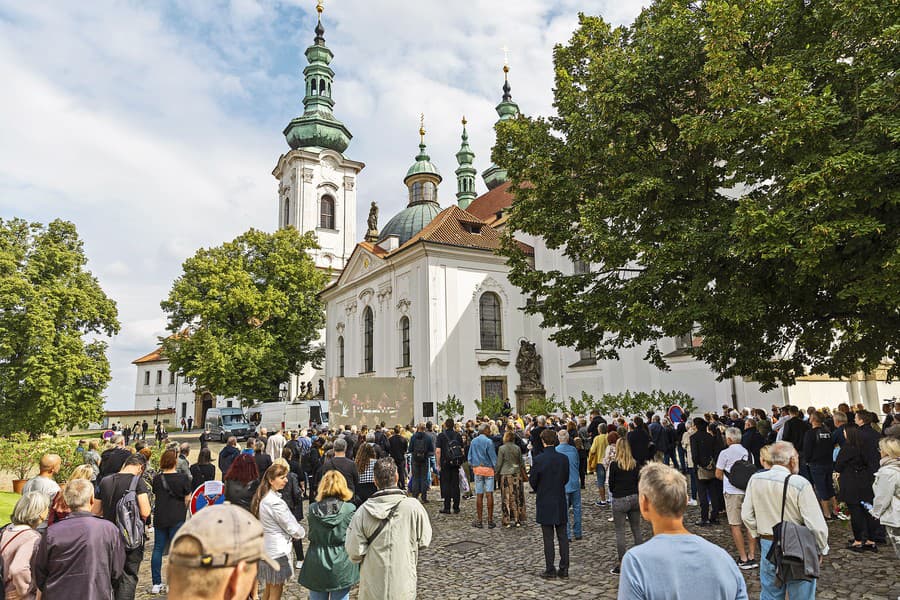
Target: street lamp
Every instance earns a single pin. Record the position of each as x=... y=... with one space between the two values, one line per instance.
x=157 y=410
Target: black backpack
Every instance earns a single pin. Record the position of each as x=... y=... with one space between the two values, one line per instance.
x=420 y=450
x=455 y=455
x=741 y=472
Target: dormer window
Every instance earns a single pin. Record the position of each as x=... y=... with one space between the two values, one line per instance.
x=472 y=227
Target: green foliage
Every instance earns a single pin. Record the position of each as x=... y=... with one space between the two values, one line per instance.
x=583 y=405
x=638 y=403
x=491 y=406
x=19 y=454
x=65 y=448
x=51 y=308
x=451 y=409
x=245 y=315
x=543 y=406
x=728 y=170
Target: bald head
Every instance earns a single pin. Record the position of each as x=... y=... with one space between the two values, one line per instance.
x=50 y=464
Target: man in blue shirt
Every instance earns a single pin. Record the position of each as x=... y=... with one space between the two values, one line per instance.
x=483 y=459
x=573 y=487
x=675 y=564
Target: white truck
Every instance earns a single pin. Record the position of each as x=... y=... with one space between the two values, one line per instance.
x=289 y=415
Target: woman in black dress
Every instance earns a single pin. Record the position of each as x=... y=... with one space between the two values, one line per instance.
x=856 y=487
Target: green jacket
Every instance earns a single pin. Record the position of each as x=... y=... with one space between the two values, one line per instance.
x=327 y=567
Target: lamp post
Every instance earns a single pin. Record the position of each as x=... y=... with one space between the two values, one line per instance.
x=157 y=410
x=283 y=398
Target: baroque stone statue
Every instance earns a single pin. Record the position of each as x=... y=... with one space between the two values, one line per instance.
x=528 y=364
x=373 y=217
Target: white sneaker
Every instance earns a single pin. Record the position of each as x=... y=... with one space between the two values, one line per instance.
x=298 y=564
x=692 y=502
x=156 y=589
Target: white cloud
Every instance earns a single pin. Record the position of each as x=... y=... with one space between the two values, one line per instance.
x=155 y=128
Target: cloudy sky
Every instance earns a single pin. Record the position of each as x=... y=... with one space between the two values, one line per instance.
x=154 y=126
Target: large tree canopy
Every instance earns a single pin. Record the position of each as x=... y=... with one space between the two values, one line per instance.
x=729 y=168
x=245 y=314
x=52 y=371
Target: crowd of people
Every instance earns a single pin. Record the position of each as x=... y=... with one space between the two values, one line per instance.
x=777 y=478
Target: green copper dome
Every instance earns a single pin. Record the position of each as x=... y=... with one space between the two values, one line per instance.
x=410 y=221
x=422 y=166
x=422 y=179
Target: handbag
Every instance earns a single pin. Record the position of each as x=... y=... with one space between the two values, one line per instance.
x=786 y=553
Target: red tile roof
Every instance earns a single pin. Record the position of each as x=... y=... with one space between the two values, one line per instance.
x=455 y=227
x=486 y=206
x=154 y=356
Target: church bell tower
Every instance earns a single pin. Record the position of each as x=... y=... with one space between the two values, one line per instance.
x=317 y=183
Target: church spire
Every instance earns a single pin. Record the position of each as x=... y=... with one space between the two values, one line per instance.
x=465 y=174
x=317 y=126
x=507 y=109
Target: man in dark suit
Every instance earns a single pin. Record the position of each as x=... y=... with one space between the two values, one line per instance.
x=548 y=478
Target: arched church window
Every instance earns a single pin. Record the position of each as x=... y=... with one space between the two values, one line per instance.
x=490 y=325
x=404 y=342
x=326 y=220
x=368 y=340
x=287 y=211
x=417 y=191
x=341 y=356
x=428 y=192
x=321 y=87
x=329 y=90
x=313 y=89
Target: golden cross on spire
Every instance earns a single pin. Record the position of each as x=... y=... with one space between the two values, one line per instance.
x=505 y=58
x=422 y=128
x=320 y=6
x=464 y=120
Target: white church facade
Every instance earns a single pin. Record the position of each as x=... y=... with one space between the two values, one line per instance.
x=427 y=298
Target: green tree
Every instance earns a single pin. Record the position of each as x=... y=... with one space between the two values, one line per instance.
x=245 y=315
x=451 y=409
x=543 y=406
x=728 y=168
x=584 y=405
x=490 y=407
x=53 y=367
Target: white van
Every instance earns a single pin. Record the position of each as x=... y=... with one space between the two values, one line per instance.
x=275 y=415
x=222 y=423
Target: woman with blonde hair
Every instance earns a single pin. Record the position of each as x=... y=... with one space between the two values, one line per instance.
x=279 y=529
x=59 y=510
x=327 y=572
x=18 y=543
x=886 y=505
x=623 y=485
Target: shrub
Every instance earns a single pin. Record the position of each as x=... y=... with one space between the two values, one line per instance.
x=19 y=454
x=491 y=406
x=451 y=409
x=543 y=406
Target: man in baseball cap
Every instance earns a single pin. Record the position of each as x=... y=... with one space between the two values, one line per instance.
x=214 y=555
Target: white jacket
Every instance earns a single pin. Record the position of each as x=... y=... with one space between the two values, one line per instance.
x=886 y=505
x=279 y=525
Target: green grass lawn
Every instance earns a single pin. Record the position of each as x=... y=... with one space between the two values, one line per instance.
x=7 y=502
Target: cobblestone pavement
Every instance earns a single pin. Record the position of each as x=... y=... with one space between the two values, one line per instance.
x=464 y=562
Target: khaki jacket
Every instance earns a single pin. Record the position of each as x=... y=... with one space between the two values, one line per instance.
x=388 y=566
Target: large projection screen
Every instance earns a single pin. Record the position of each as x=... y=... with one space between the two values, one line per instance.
x=371 y=400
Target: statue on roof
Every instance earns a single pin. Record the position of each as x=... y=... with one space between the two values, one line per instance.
x=372 y=222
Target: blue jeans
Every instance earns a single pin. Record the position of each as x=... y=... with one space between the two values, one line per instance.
x=343 y=594
x=573 y=499
x=797 y=590
x=162 y=537
x=693 y=473
x=601 y=477
x=681 y=457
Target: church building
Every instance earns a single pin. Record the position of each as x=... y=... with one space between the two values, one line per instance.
x=422 y=308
